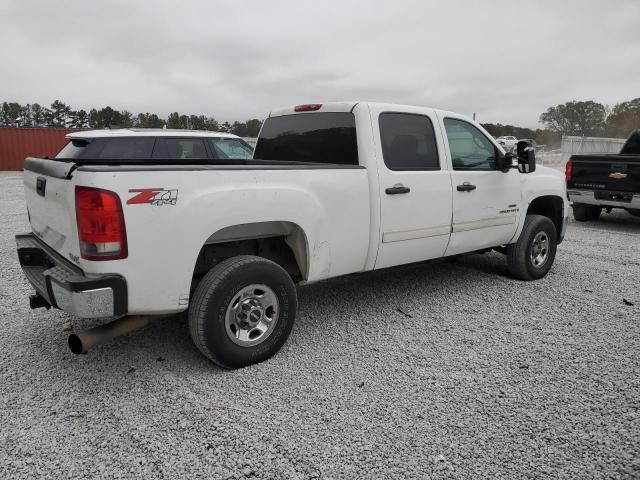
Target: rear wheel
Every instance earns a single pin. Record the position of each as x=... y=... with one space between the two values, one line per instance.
x=242 y=311
x=634 y=211
x=584 y=213
x=533 y=255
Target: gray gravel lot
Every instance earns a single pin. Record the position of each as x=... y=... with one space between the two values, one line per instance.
x=482 y=376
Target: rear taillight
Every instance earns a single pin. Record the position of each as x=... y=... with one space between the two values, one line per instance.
x=100 y=224
x=568 y=171
x=310 y=107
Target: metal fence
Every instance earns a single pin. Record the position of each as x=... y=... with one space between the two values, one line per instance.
x=572 y=145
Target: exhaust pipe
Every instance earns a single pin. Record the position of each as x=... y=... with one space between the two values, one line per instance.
x=82 y=342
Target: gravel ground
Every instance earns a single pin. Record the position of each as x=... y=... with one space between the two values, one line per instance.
x=441 y=370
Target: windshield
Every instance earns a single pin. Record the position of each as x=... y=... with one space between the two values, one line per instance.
x=324 y=137
x=232 y=148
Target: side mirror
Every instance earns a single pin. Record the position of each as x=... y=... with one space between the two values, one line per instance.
x=505 y=161
x=526 y=157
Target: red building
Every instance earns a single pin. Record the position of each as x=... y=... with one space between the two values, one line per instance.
x=18 y=143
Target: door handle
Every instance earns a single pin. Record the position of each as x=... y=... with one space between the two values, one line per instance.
x=465 y=187
x=397 y=189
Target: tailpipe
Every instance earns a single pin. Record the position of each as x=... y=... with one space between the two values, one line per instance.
x=82 y=342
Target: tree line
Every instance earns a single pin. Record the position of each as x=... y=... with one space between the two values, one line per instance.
x=584 y=118
x=61 y=115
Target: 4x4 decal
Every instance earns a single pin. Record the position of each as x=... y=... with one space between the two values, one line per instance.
x=153 y=196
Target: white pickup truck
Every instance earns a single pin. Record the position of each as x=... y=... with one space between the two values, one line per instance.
x=332 y=189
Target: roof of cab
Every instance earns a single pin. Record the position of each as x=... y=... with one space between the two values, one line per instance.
x=348 y=106
x=147 y=132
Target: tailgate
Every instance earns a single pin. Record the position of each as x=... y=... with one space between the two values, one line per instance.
x=612 y=173
x=50 y=196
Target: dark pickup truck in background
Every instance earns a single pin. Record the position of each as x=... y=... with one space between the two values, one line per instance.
x=605 y=181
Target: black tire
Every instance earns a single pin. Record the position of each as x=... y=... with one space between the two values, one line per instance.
x=519 y=255
x=585 y=213
x=214 y=295
x=634 y=211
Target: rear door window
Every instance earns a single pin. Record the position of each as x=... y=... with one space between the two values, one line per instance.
x=323 y=137
x=408 y=142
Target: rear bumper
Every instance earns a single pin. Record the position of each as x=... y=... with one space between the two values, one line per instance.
x=65 y=286
x=606 y=198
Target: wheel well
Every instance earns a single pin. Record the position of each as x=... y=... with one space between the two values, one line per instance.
x=281 y=242
x=549 y=206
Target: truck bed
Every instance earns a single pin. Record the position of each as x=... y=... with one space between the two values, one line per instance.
x=323 y=200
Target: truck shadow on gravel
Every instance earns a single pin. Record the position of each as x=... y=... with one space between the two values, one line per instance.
x=618 y=222
x=379 y=296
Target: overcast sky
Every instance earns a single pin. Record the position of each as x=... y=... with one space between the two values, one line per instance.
x=239 y=59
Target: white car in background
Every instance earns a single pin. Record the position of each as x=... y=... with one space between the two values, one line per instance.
x=148 y=144
x=507 y=142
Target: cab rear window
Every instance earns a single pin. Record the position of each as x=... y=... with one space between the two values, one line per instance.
x=322 y=137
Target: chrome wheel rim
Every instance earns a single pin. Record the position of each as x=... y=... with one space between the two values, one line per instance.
x=252 y=315
x=540 y=249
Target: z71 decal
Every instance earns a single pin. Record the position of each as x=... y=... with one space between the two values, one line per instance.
x=153 y=196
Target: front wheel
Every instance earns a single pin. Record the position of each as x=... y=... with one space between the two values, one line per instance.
x=242 y=311
x=533 y=255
